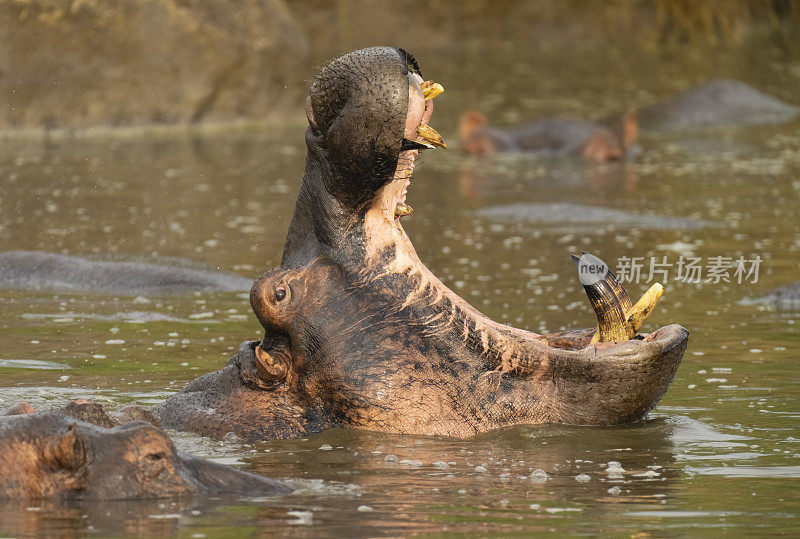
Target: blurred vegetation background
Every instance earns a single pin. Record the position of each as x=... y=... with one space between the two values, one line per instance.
x=85 y=63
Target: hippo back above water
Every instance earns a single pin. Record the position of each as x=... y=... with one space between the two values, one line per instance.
x=717 y=103
x=51 y=271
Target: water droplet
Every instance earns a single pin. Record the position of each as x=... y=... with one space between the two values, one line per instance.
x=538 y=476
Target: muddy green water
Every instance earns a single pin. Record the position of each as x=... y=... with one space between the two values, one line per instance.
x=721 y=453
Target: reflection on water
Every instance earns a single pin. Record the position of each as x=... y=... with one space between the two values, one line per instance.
x=578 y=217
x=32 y=364
x=721 y=451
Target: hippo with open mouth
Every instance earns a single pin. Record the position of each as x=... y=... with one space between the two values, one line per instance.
x=360 y=333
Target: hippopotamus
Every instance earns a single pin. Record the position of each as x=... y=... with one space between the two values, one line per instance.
x=572 y=138
x=358 y=332
x=786 y=297
x=52 y=271
x=89 y=412
x=717 y=103
x=53 y=455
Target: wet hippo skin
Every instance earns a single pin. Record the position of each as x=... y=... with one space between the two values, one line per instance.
x=52 y=455
x=358 y=331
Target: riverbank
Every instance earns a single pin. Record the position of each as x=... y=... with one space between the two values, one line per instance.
x=79 y=66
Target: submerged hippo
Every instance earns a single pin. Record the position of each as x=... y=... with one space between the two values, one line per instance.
x=52 y=455
x=360 y=333
x=716 y=104
x=785 y=297
x=572 y=138
x=52 y=271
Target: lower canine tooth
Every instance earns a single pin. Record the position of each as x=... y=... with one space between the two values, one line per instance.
x=401 y=210
x=617 y=320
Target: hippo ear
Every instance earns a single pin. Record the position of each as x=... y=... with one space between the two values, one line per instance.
x=271 y=368
x=310 y=115
x=630 y=129
x=64 y=451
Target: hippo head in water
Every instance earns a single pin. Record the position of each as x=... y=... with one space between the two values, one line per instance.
x=52 y=455
x=360 y=333
x=572 y=138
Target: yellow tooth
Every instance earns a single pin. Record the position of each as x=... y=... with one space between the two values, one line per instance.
x=619 y=330
x=401 y=210
x=431 y=89
x=639 y=312
x=428 y=135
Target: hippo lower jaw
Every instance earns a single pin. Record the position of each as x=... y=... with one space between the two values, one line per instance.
x=334 y=333
x=575 y=384
x=611 y=383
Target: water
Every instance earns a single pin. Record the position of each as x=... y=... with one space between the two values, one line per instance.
x=721 y=453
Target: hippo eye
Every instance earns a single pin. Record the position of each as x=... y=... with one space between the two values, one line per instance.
x=280 y=293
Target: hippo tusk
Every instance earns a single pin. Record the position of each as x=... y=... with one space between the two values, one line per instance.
x=617 y=289
x=639 y=312
x=617 y=319
x=401 y=210
x=431 y=89
x=429 y=137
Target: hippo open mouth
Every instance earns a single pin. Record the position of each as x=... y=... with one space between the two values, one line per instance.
x=360 y=333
